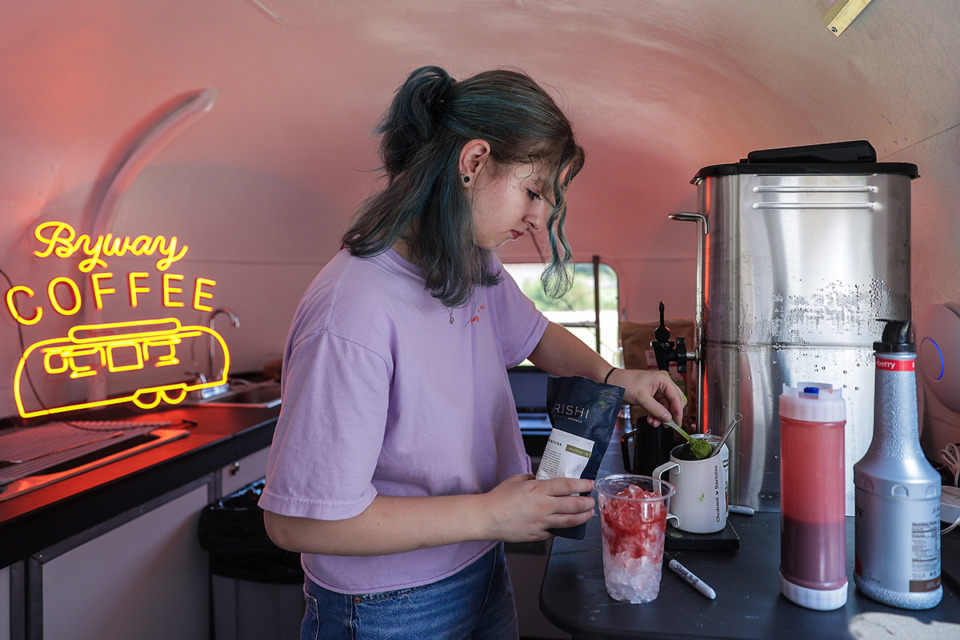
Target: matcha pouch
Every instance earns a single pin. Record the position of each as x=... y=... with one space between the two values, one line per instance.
x=583 y=414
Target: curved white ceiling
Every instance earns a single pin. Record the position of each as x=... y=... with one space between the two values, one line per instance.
x=656 y=89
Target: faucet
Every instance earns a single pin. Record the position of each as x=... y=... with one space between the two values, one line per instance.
x=235 y=321
x=667 y=350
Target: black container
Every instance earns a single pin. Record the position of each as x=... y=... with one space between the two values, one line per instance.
x=646 y=448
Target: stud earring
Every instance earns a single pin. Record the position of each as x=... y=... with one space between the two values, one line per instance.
x=465 y=178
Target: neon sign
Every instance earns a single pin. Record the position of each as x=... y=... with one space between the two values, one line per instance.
x=64 y=296
x=114 y=347
x=61 y=240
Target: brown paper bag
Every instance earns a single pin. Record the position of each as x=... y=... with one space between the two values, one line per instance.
x=638 y=354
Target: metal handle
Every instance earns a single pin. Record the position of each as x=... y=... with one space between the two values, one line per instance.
x=699 y=351
x=686 y=216
x=700 y=219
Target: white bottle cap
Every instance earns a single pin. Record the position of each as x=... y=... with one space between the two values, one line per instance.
x=820 y=600
x=812 y=402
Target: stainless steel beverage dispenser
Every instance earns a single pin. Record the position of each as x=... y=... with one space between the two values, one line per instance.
x=802 y=252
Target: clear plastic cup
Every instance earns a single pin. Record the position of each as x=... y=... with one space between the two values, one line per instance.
x=633 y=521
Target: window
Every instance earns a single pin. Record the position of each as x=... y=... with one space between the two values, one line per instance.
x=589 y=311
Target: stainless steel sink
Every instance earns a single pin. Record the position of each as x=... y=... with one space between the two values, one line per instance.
x=261 y=394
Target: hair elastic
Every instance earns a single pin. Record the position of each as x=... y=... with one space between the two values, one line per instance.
x=608 y=375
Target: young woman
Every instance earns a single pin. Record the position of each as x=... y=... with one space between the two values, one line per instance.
x=397 y=467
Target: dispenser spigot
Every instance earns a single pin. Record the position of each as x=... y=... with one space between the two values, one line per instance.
x=666 y=350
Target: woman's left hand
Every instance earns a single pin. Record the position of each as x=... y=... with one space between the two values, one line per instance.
x=563 y=354
x=654 y=391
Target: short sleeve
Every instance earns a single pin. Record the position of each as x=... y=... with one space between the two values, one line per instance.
x=330 y=430
x=520 y=323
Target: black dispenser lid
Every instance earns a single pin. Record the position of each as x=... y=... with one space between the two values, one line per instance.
x=855 y=157
x=897 y=337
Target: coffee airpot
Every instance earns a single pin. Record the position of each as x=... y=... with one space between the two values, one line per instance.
x=799 y=251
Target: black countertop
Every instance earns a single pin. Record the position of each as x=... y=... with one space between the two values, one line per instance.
x=748 y=602
x=217 y=437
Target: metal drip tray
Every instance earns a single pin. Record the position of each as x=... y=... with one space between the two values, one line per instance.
x=32 y=457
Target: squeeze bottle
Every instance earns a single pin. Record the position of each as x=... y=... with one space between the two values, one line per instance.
x=896 y=490
x=813 y=546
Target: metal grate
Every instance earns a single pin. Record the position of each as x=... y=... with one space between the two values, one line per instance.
x=27 y=451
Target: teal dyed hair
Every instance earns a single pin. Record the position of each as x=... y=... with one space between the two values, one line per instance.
x=431 y=118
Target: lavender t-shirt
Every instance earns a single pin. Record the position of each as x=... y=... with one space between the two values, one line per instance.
x=382 y=393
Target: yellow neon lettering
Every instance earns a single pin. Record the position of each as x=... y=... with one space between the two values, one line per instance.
x=170 y=251
x=199 y=293
x=140 y=246
x=94 y=251
x=169 y=289
x=60 y=239
x=12 y=306
x=55 y=301
x=114 y=246
x=99 y=290
x=132 y=278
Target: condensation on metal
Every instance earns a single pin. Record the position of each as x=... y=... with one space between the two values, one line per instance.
x=800 y=269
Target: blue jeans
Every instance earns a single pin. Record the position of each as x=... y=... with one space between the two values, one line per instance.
x=473 y=604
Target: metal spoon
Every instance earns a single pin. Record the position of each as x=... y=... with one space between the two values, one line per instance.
x=733 y=425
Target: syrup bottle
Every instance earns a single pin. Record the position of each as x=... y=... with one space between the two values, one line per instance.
x=896 y=490
x=813 y=530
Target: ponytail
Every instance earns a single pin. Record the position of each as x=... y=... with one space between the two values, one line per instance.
x=413 y=117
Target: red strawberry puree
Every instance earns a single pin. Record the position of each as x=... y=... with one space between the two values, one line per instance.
x=634 y=526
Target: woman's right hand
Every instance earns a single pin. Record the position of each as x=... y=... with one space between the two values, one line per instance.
x=523 y=509
x=519 y=509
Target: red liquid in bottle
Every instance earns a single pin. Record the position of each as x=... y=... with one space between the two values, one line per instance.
x=812 y=497
x=813 y=526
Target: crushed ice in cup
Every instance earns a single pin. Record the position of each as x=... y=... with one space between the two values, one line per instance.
x=633 y=537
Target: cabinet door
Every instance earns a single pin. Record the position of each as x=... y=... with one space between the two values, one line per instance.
x=145 y=579
x=247 y=469
x=5 y=603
